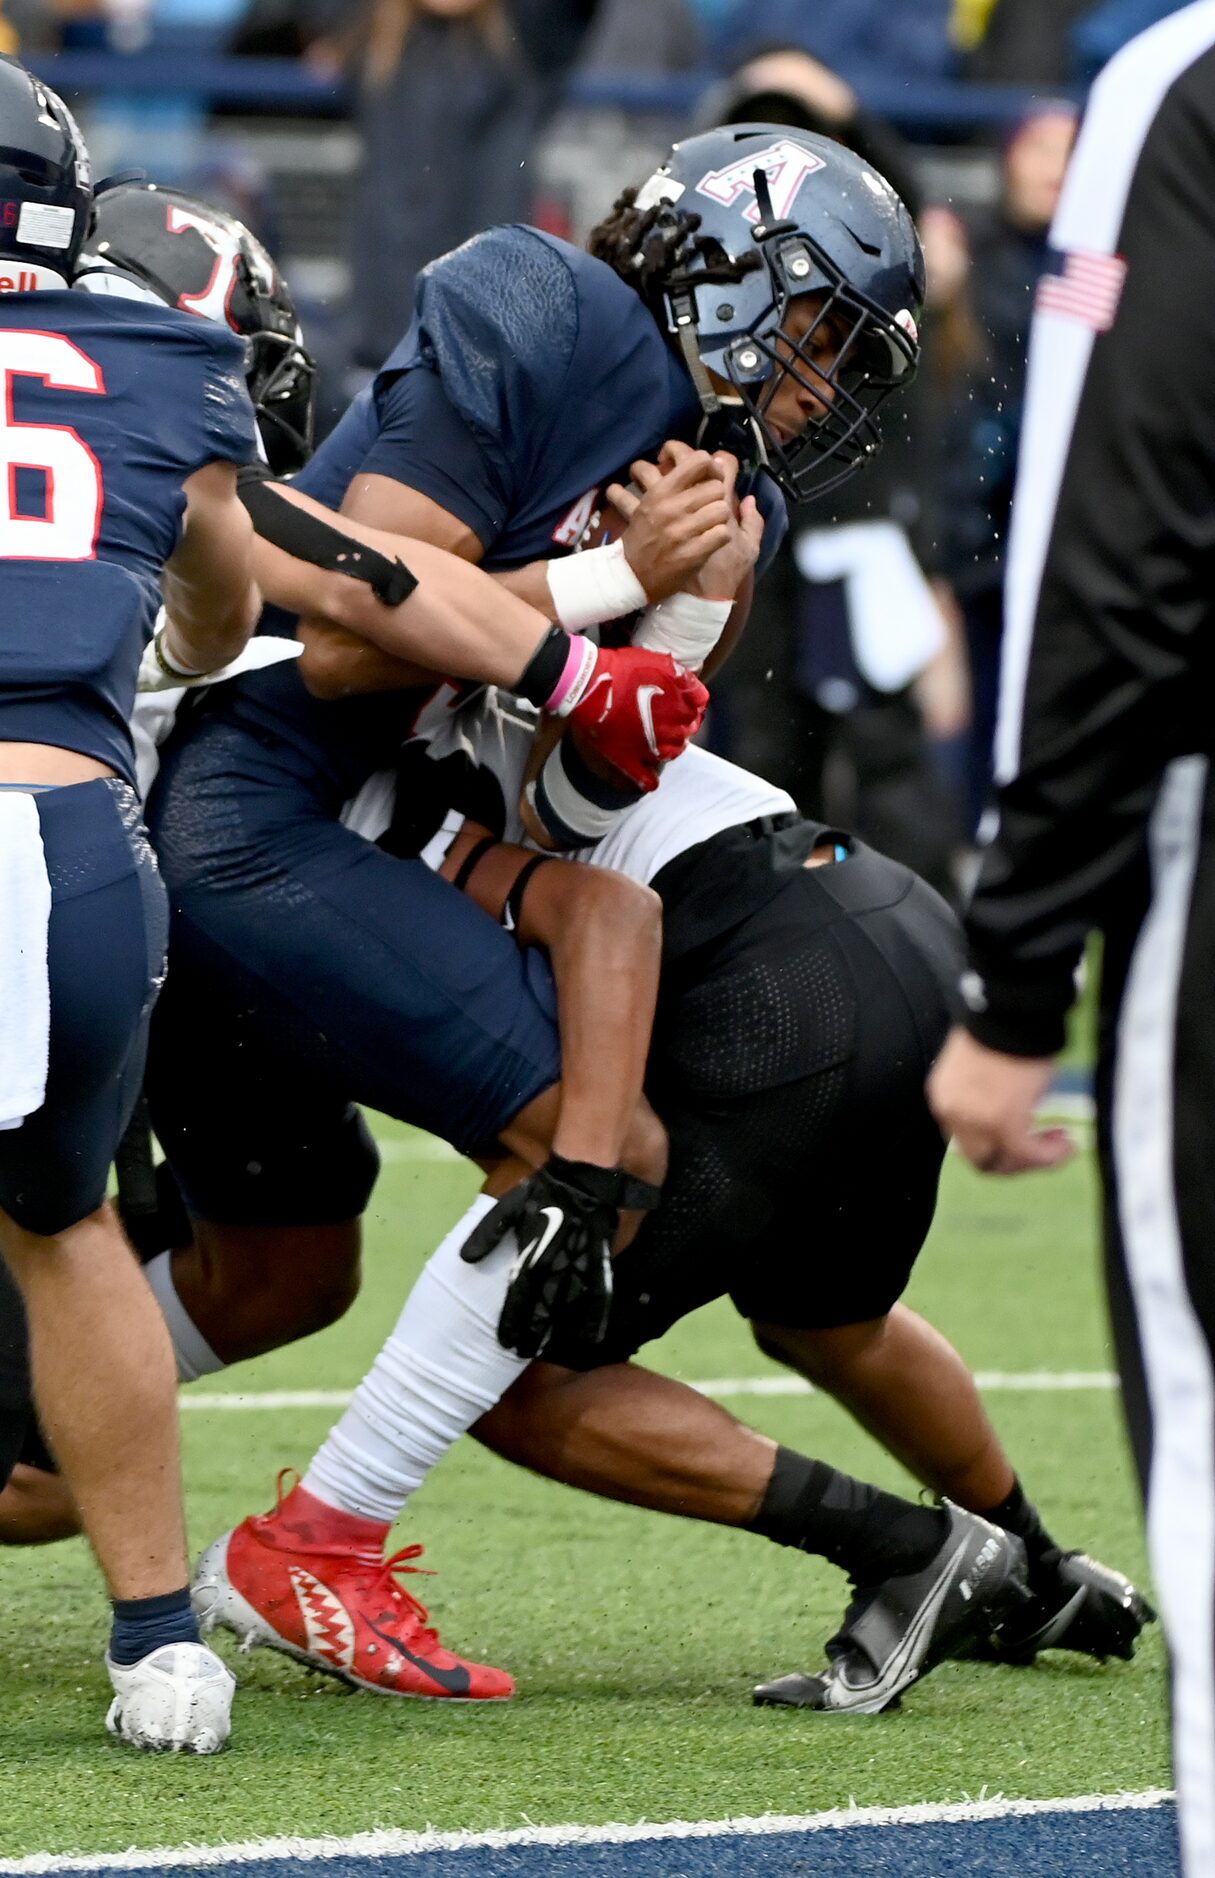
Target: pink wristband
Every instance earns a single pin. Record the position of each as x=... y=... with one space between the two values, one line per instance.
x=580 y=663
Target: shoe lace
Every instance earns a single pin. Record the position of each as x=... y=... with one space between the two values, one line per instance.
x=381 y=1575
x=387 y=1573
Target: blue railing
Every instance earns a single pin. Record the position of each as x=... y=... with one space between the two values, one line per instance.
x=945 y=107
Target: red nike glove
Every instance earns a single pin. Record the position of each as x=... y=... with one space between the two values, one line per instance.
x=639 y=709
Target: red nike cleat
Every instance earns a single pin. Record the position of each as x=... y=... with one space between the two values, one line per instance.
x=337 y=1608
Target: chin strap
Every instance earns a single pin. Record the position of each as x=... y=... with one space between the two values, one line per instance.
x=720 y=417
x=683 y=312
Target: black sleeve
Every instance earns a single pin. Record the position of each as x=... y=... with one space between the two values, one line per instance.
x=1110 y=584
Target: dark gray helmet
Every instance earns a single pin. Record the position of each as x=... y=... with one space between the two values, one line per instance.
x=738 y=223
x=46 y=189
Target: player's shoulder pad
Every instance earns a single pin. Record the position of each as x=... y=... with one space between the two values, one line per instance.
x=152 y=319
x=169 y=343
x=204 y=375
x=497 y=319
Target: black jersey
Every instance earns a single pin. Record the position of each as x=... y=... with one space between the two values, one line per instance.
x=1110 y=619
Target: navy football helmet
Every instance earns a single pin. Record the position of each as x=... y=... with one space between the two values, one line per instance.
x=736 y=225
x=46 y=187
x=204 y=261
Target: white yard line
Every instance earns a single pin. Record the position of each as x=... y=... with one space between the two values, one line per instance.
x=1033 y=1381
x=395 y=1844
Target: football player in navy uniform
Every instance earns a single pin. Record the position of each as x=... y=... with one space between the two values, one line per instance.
x=122 y=426
x=157 y=234
x=760 y=294
x=532 y=376
x=832 y=322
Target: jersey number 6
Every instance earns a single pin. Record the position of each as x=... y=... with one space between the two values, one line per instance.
x=67 y=528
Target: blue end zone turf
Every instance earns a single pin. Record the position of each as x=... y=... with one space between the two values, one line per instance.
x=1047 y=1845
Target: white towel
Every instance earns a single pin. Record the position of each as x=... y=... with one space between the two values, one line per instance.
x=25 y=993
x=156 y=710
x=897 y=627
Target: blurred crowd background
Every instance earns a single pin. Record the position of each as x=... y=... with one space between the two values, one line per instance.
x=361 y=138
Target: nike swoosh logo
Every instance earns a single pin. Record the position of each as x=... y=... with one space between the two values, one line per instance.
x=902 y=1666
x=645 y=711
x=455 y=1681
x=533 y=1253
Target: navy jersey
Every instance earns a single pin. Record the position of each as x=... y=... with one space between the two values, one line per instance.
x=530 y=377
x=109 y=405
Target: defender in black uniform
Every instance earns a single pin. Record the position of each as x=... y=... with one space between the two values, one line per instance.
x=805 y=992
x=1106 y=795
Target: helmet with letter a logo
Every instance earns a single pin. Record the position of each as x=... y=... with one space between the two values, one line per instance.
x=202 y=260
x=46 y=187
x=769 y=214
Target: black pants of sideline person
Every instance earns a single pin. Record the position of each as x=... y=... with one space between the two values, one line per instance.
x=1157 y=1114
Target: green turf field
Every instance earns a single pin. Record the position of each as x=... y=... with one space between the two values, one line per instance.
x=635 y=1639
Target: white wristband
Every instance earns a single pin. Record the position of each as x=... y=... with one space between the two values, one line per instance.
x=685 y=626
x=570 y=817
x=594 y=586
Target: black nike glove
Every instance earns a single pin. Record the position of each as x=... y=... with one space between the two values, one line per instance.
x=565 y=1218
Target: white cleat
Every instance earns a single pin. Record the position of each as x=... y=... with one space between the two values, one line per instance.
x=177 y=1700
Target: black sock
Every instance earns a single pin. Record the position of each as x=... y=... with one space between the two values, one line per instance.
x=870 y=1534
x=142 y=1625
x=1019 y=1515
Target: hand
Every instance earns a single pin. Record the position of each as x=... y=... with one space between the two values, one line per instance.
x=564 y=1219
x=676 y=523
x=639 y=710
x=986 y=1101
x=721 y=576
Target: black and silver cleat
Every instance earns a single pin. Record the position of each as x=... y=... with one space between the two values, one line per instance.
x=1075 y=1603
x=895 y=1632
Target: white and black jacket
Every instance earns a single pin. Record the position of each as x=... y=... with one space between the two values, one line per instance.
x=1110 y=600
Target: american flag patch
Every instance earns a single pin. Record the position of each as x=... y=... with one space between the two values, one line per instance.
x=1082 y=286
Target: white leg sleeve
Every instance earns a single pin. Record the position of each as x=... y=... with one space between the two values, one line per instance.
x=194 y=1354
x=438 y=1373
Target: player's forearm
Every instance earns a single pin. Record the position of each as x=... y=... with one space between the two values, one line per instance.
x=210 y=595
x=457 y=620
x=206 y=630
x=605 y=943
x=530 y=585
x=211 y=620
x=337 y=664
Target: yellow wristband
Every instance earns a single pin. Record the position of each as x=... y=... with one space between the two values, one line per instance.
x=183 y=674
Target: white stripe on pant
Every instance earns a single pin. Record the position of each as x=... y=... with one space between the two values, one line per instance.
x=1176 y=1352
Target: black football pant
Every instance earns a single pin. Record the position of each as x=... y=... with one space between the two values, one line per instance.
x=1157 y=1116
